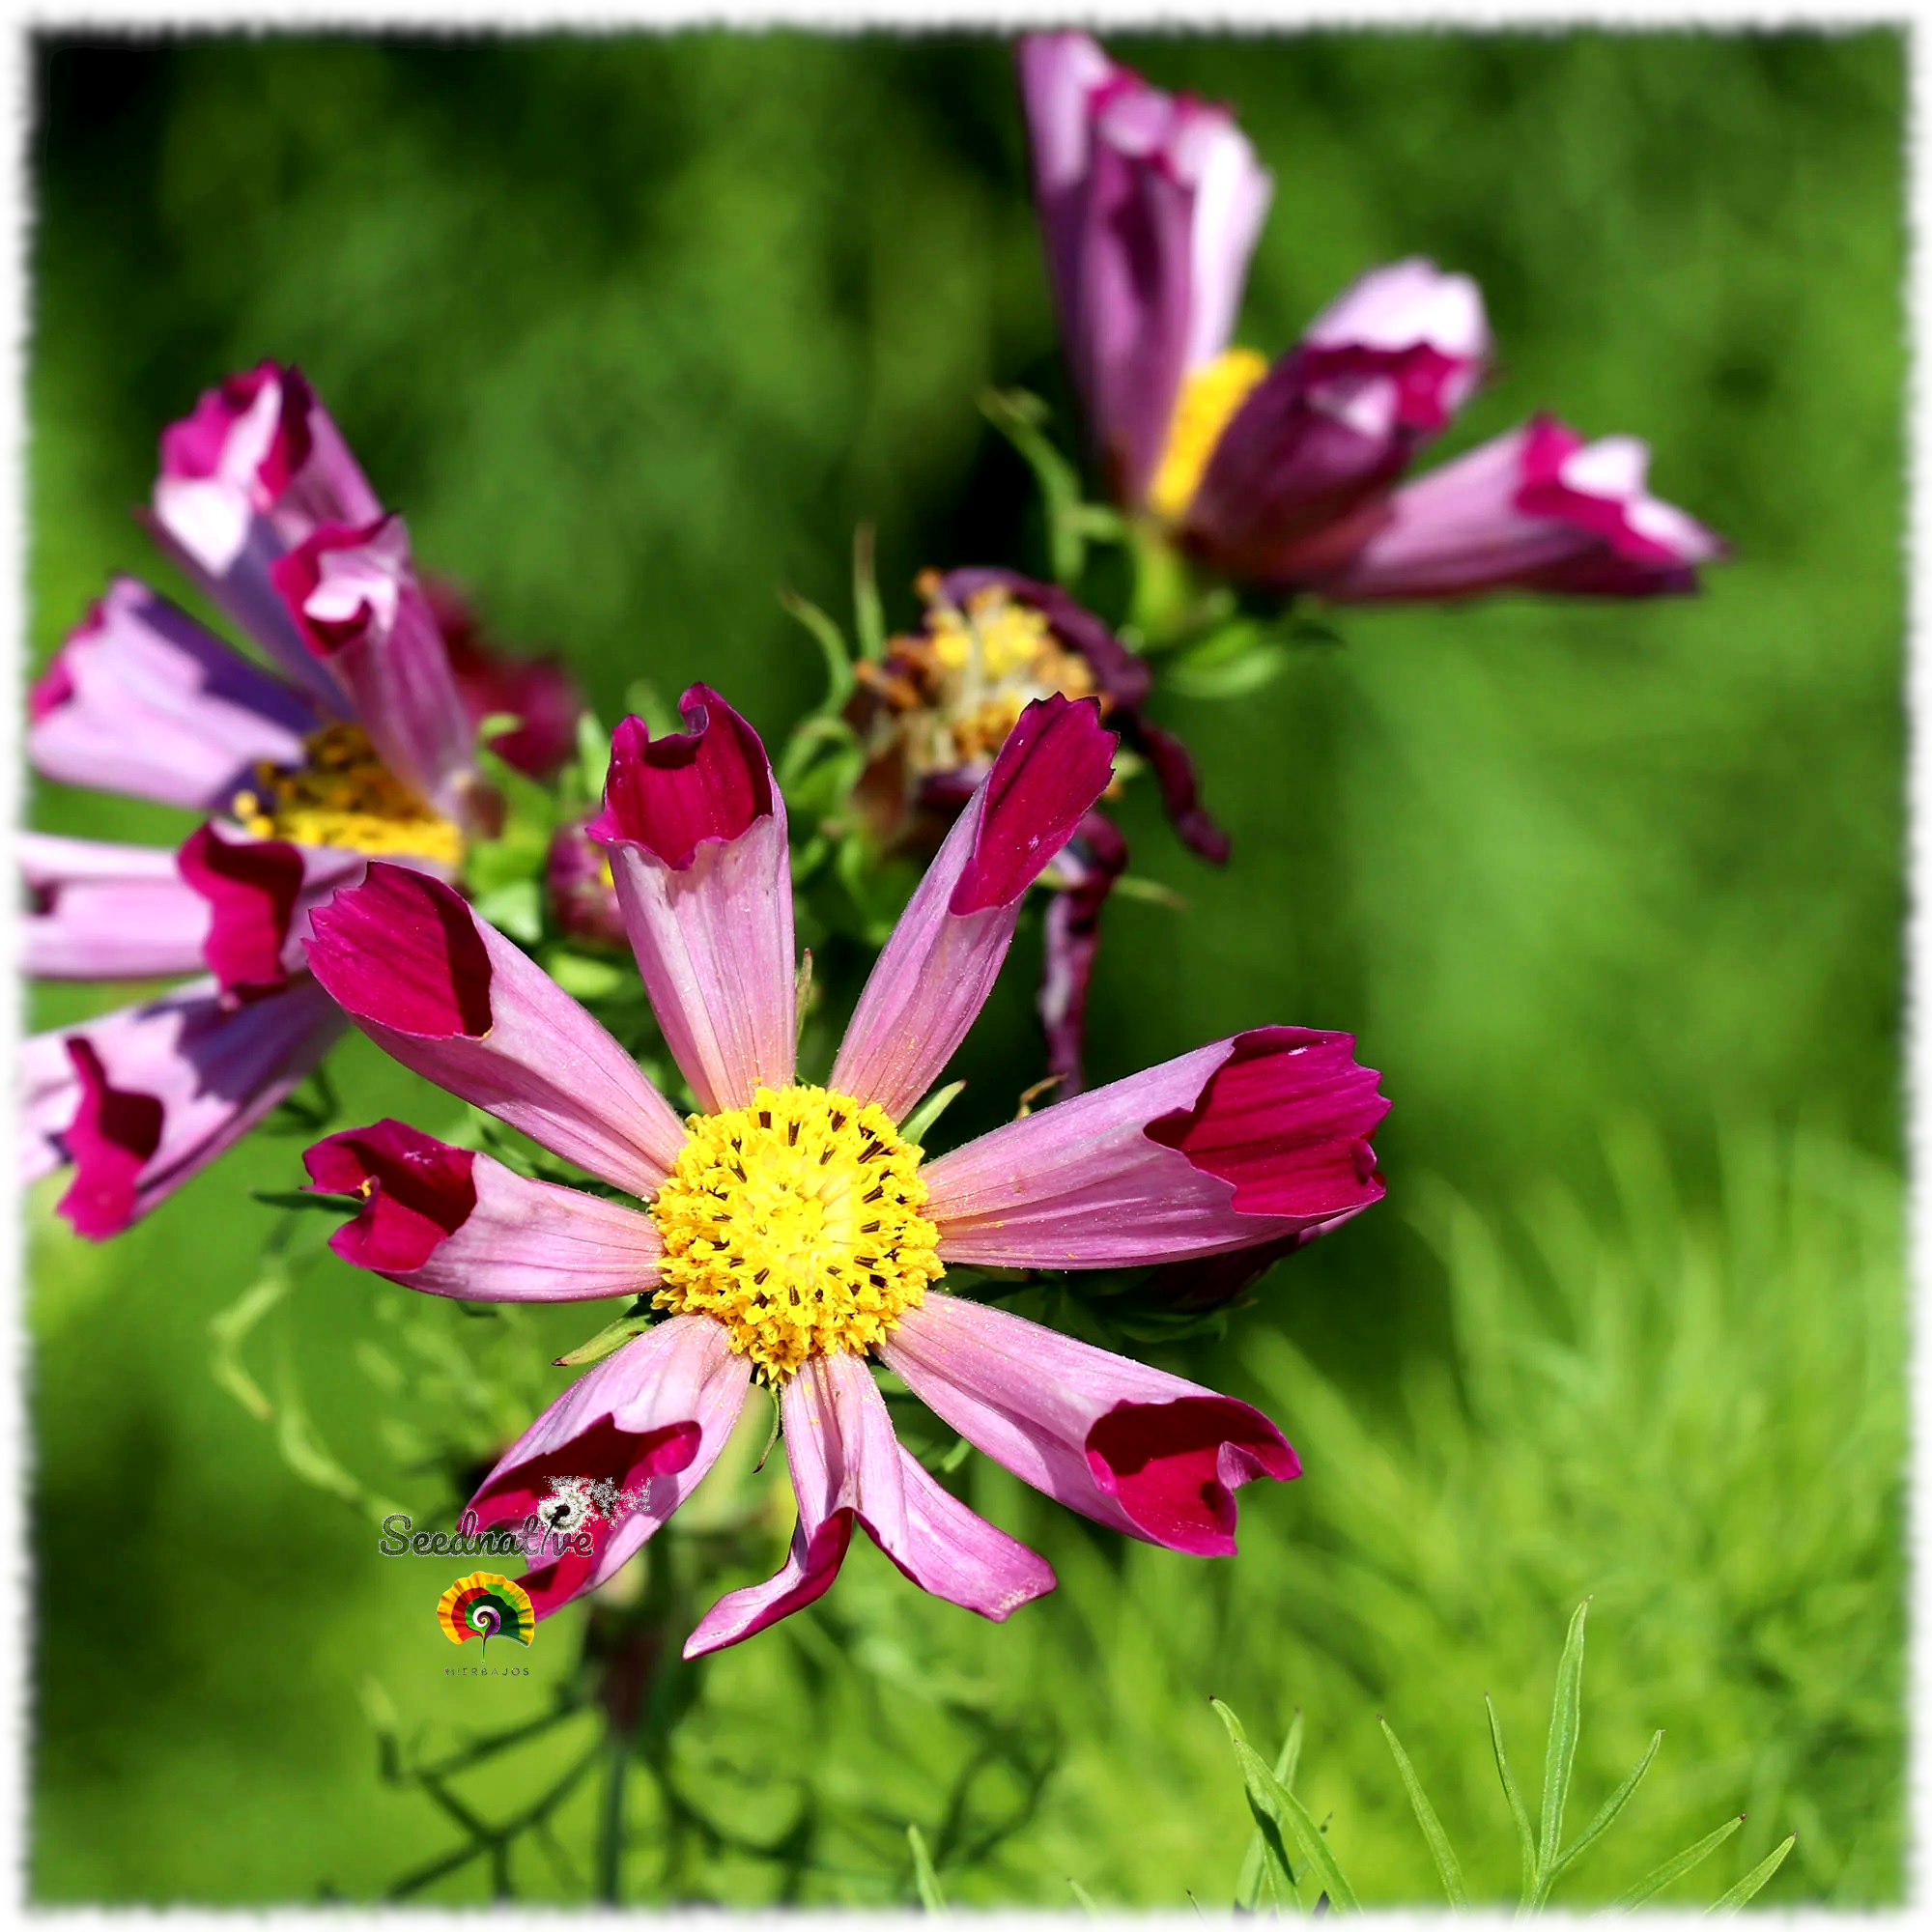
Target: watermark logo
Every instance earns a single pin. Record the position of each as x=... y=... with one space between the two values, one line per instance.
x=485 y=1604
x=559 y=1526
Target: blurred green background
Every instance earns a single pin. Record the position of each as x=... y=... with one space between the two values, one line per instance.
x=635 y=330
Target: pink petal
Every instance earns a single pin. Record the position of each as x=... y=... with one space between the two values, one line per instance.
x=940 y=963
x=453 y=1000
x=1245 y=1140
x=352 y=594
x=210 y=1069
x=655 y=1413
x=449 y=1221
x=1145 y=1452
x=846 y=1464
x=107 y=912
x=581 y=887
x=141 y=700
x=259 y=894
x=695 y=831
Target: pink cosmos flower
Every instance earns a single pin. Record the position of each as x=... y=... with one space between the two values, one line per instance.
x=364 y=745
x=1276 y=475
x=792 y=1230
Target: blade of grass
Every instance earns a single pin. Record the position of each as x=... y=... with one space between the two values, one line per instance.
x=1675 y=1868
x=1079 y=1891
x=1526 y=1840
x=1754 y=1881
x=1559 y=1759
x=869 y=616
x=924 y=1877
x=1268 y=1797
x=1267 y=1820
x=1254 y=1866
x=1611 y=1806
x=1443 y=1851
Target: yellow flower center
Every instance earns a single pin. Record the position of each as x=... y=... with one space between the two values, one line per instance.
x=1209 y=400
x=343 y=795
x=796 y=1223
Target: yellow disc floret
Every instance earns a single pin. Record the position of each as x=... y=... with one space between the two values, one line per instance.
x=343 y=795
x=796 y=1222
x=1209 y=400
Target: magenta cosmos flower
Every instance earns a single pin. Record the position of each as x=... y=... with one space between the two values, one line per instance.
x=791 y=1231
x=1281 y=475
x=362 y=744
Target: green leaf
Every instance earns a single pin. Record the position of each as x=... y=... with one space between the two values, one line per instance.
x=1444 y=1853
x=1684 y=1861
x=1754 y=1881
x=924 y=1879
x=607 y=1341
x=593 y=754
x=1269 y=1798
x=1611 y=1806
x=831 y=646
x=514 y=907
x=299 y=1199
x=869 y=616
x=495 y=724
x=917 y=1123
x=585 y=978
x=1020 y=416
x=1559 y=1759
x=1525 y=1839
x=1233 y=677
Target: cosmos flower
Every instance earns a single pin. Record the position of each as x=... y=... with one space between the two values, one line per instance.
x=789 y=1231
x=363 y=744
x=1283 y=475
x=934 y=711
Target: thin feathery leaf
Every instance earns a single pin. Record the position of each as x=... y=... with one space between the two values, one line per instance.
x=1448 y=1866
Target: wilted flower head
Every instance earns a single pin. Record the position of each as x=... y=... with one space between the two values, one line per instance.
x=792 y=1230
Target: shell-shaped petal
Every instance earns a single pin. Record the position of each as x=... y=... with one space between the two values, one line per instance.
x=695 y=828
x=846 y=1464
x=940 y=963
x=158 y=1090
x=451 y=1221
x=1245 y=1140
x=257 y=894
x=142 y=700
x=107 y=912
x=1124 y=1444
x=650 y=1419
x=1536 y=509
x=447 y=995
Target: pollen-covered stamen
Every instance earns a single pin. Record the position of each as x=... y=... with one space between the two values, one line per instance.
x=343 y=795
x=956 y=689
x=1209 y=400
x=797 y=1223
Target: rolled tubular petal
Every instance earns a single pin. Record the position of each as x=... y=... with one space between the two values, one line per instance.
x=1537 y=510
x=49 y=1096
x=352 y=594
x=1145 y=1452
x=651 y=1418
x=107 y=912
x=1150 y=205
x=1337 y=420
x=255 y=471
x=453 y=1000
x=846 y=1464
x=141 y=700
x=940 y=963
x=157 y=1092
x=1248 y=1140
x=450 y=1221
x=695 y=831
